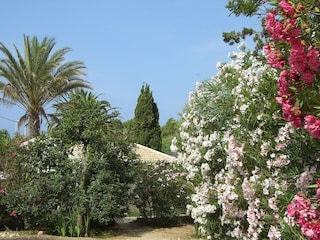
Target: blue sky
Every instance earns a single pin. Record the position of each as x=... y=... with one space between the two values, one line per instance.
x=168 y=44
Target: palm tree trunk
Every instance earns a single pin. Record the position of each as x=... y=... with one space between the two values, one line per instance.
x=34 y=124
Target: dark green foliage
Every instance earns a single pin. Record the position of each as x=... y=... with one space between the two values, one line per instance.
x=84 y=119
x=247 y=8
x=233 y=37
x=4 y=140
x=146 y=120
x=108 y=198
x=244 y=7
x=40 y=183
x=77 y=176
x=161 y=191
x=168 y=132
x=106 y=154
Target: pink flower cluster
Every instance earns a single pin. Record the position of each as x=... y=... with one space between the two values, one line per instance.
x=2 y=189
x=13 y=213
x=306 y=214
x=299 y=66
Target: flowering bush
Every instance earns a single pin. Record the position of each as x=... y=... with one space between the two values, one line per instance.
x=8 y=217
x=306 y=213
x=294 y=48
x=39 y=183
x=244 y=162
x=161 y=191
x=294 y=31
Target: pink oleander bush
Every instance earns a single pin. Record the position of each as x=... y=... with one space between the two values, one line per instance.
x=294 y=50
x=306 y=213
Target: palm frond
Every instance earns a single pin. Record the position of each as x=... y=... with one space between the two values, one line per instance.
x=38 y=77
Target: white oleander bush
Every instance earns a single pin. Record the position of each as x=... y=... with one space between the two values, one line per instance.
x=244 y=161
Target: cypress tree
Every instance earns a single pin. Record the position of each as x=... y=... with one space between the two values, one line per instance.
x=146 y=120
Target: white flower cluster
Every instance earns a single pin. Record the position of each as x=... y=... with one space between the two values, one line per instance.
x=235 y=152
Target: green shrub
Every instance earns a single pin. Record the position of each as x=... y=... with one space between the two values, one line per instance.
x=161 y=191
x=42 y=188
x=40 y=183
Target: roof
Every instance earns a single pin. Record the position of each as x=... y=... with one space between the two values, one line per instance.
x=150 y=155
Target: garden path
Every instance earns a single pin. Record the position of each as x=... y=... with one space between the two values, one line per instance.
x=125 y=230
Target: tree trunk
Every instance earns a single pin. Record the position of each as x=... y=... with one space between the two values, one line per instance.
x=34 y=125
x=84 y=161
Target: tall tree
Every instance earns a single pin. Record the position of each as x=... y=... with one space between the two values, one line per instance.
x=146 y=120
x=94 y=127
x=37 y=78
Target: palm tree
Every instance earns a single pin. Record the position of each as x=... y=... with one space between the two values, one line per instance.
x=37 y=79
